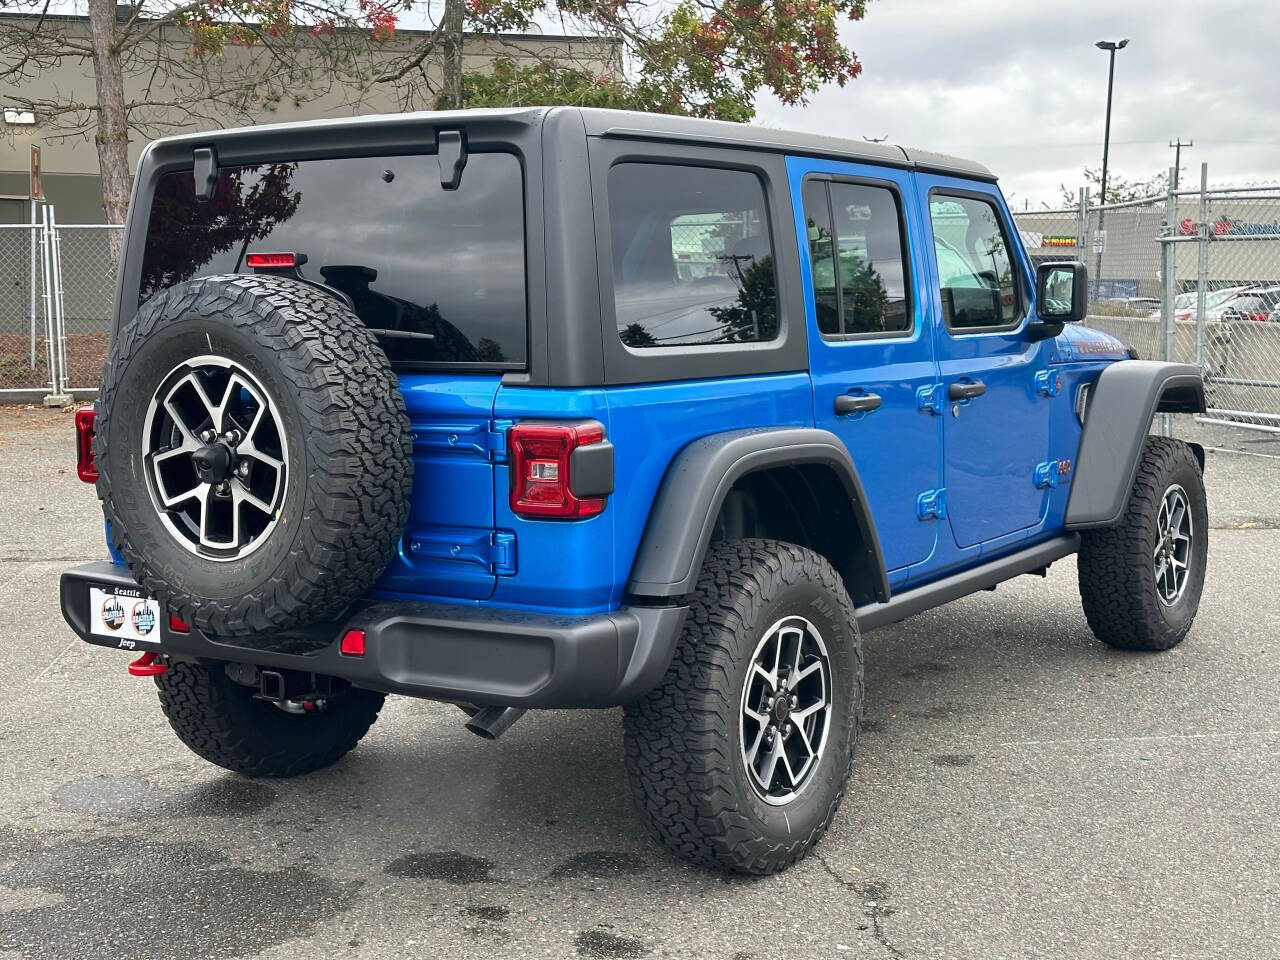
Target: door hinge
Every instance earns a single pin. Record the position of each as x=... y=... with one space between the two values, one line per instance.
x=486 y=439
x=496 y=440
x=932 y=503
x=502 y=553
x=1046 y=474
x=495 y=550
x=1048 y=383
x=929 y=398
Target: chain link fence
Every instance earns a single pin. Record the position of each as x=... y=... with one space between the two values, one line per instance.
x=24 y=337
x=1191 y=276
x=57 y=293
x=90 y=256
x=1230 y=246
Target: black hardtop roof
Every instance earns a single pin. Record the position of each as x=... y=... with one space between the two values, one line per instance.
x=626 y=123
x=605 y=123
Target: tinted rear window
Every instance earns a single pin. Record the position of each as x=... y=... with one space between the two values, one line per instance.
x=413 y=257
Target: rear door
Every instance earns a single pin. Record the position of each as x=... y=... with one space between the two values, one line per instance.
x=994 y=380
x=439 y=276
x=871 y=349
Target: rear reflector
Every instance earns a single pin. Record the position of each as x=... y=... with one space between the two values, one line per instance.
x=177 y=624
x=541 y=481
x=353 y=643
x=86 y=462
x=259 y=261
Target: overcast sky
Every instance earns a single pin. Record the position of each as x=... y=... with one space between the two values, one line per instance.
x=1019 y=85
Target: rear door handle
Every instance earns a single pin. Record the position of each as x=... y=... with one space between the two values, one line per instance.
x=857 y=402
x=963 y=390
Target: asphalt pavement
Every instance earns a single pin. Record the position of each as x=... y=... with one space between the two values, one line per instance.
x=1019 y=791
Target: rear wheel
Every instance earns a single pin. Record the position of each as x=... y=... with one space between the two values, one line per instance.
x=1141 y=580
x=738 y=759
x=224 y=722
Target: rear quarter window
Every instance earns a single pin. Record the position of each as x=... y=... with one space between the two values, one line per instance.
x=438 y=274
x=692 y=259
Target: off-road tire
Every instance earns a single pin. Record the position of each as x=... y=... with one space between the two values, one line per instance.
x=1117 y=581
x=349 y=470
x=223 y=722
x=683 y=739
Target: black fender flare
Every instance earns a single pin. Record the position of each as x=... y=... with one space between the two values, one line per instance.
x=699 y=478
x=1118 y=414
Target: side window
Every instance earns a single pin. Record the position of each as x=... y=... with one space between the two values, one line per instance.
x=979 y=285
x=822 y=256
x=860 y=280
x=692 y=258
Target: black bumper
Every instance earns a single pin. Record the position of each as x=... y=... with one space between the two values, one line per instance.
x=437 y=651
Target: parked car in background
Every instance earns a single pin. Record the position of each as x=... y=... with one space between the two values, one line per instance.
x=1215 y=301
x=1254 y=305
x=1135 y=304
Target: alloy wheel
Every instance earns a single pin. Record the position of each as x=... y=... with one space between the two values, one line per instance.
x=216 y=457
x=786 y=710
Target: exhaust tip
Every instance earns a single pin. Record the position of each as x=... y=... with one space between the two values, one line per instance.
x=480 y=731
x=492 y=722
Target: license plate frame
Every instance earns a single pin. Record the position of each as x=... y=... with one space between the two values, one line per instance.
x=123 y=617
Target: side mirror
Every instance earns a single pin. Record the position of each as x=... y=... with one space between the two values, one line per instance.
x=1062 y=292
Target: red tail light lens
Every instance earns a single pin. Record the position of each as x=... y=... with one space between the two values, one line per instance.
x=270 y=261
x=86 y=463
x=541 y=474
x=177 y=624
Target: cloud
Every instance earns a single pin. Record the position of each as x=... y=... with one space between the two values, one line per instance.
x=1021 y=87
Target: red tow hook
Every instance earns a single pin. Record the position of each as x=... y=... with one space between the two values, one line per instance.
x=146 y=666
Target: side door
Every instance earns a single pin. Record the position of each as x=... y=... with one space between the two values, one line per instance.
x=995 y=381
x=870 y=341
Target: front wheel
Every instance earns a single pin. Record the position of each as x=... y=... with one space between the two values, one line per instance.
x=1141 y=580
x=738 y=758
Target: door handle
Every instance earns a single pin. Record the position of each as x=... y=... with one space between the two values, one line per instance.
x=963 y=390
x=857 y=402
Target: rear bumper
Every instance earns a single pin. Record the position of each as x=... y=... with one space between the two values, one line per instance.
x=437 y=651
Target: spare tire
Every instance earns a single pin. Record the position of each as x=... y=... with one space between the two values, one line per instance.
x=254 y=454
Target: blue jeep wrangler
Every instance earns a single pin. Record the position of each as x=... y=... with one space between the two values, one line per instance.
x=580 y=408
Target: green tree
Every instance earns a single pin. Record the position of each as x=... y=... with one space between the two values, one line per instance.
x=247 y=204
x=1119 y=189
x=754 y=315
x=147 y=81
x=865 y=298
x=706 y=58
x=510 y=85
x=635 y=335
x=238 y=59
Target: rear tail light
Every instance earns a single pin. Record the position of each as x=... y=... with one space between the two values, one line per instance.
x=177 y=624
x=543 y=466
x=86 y=462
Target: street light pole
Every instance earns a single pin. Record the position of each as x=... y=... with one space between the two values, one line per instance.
x=1100 y=237
x=1112 y=47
